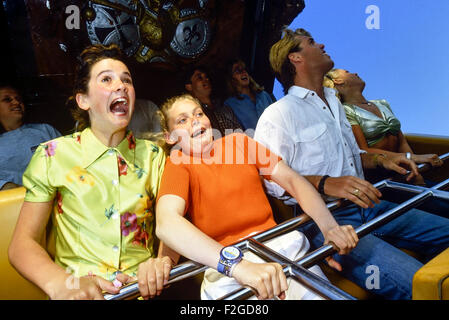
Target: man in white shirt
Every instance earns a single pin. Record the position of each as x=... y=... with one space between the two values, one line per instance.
x=309 y=130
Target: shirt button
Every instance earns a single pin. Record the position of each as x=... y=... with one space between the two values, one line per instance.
x=111 y=152
x=115 y=215
x=324 y=108
x=115 y=248
x=114 y=182
x=352 y=164
x=313 y=93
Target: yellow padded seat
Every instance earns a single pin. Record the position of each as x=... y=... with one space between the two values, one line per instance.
x=431 y=281
x=12 y=285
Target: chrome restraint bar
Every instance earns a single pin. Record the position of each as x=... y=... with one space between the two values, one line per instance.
x=189 y=269
x=307 y=278
x=319 y=254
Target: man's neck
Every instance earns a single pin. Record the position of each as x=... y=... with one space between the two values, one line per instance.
x=311 y=82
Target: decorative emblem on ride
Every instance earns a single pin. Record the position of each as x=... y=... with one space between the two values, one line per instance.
x=192 y=35
x=150 y=30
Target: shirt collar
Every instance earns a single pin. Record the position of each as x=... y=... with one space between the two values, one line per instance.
x=302 y=93
x=93 y=149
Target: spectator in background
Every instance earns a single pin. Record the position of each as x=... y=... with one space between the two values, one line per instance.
x=221 y=117
x=17 y=139
x=246 y=98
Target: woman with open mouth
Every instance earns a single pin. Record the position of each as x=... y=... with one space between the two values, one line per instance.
x=98 y=185
x=246 y=98
x=212 y=196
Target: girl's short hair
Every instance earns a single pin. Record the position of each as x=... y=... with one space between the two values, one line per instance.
x=163 y=118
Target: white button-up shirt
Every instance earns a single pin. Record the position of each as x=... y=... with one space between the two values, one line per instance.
x=301 y=129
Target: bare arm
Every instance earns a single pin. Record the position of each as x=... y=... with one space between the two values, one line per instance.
x=153 y=274
x=183 y=237
x=165 y=251
x=25 y=253
x=313 y=205
x=403 y=144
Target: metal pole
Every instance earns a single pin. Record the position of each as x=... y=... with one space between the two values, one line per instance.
x=307 y=278
x=315 y=256
x=190 y=268
x=418 y=189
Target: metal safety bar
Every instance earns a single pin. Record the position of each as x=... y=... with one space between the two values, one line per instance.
x=307 y=278
x=190 y=268
x=296 y=268
x=319 y=254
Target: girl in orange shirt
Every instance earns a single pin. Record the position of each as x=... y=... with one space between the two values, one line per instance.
x=216 y=184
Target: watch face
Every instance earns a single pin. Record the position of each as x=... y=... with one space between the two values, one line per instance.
x=231 y=253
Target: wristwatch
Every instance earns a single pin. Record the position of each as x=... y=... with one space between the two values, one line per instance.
x=229 y=257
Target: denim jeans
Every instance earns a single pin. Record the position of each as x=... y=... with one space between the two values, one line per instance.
x=416 y=230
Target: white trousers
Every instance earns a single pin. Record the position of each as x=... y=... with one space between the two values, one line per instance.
x=292 y=245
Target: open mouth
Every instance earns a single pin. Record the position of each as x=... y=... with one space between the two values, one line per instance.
x=119 y=106
x=198 y=132
x=17 y=109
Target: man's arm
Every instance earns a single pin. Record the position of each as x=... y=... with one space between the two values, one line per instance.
x=359 y=191
x=313 y=205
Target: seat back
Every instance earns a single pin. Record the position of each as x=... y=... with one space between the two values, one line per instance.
x=431 y=281
x=13 y=285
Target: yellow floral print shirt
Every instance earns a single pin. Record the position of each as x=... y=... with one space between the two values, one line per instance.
x=103 y=209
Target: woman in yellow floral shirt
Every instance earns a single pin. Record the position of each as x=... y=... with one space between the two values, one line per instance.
x=98 y=186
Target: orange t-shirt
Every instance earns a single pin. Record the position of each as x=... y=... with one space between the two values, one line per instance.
x=223 y=191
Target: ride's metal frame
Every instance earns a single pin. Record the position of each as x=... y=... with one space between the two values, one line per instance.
x=298 y=269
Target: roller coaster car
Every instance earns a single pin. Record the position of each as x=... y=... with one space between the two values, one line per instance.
x=173 y=35
x=428 y=283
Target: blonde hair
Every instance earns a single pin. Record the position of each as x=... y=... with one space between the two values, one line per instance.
x=163 y=118
x=284 y=71
x=328 y=81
